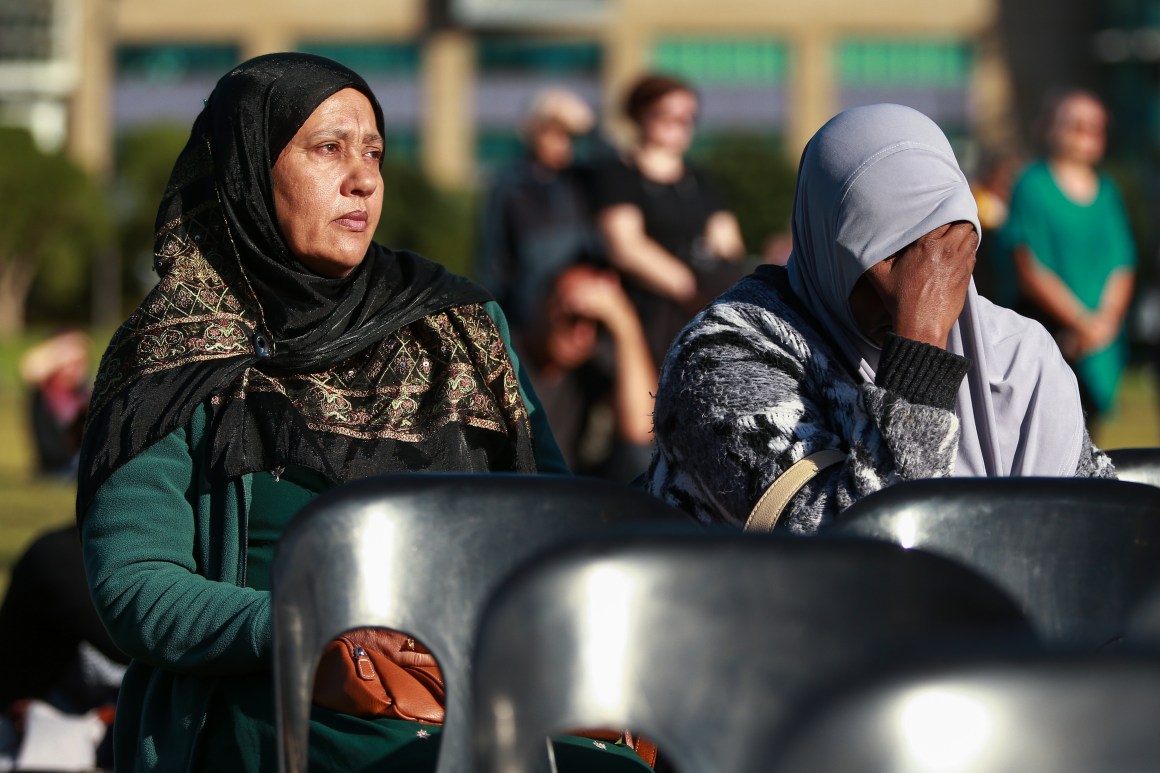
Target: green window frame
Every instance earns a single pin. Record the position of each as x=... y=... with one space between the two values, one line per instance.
x=724 y=61
x=539 y=56
x=402 y=58
x=175 y=61
x=902 y=63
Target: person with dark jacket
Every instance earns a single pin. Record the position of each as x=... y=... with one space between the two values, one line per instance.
x=588 y=358
x=57 y=373
x=538 y=217
x=53 y=647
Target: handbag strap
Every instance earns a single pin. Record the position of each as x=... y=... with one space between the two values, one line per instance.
x=767 y=511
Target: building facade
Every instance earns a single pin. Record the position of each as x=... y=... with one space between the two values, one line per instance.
x=39 y=67
x=453 y=75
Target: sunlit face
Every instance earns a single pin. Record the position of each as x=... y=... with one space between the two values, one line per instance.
x=570 y=335
x=552 y=145
x=571 y=340
x=669 y=122
x=1080 y=130
x=328 y=189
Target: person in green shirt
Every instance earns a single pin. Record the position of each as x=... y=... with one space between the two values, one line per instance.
x=282 y=353
x=1072 y=253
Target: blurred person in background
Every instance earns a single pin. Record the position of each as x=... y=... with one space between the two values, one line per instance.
x=538 y=215
x=57 y=373
x=587 y=356
x=59 y=669
x=282 y=353
x=991 y=188
x=1071 y=248
x=777 y=248
x=666 y=227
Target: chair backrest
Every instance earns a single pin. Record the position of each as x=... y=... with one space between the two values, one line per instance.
x=421 y=554
x=1064 y=716
x=1137 y=465
x=1076 y=554
x=704 y=644
x=1142 y=630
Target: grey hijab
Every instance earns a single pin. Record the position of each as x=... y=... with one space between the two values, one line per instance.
x=873 y=180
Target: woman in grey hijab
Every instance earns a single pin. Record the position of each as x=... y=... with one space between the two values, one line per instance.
x=872 y=342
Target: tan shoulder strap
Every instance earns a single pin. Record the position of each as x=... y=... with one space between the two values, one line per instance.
x=768 y=509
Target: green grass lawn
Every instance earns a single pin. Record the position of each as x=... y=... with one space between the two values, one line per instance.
x=1137 y=421
x=29 y=506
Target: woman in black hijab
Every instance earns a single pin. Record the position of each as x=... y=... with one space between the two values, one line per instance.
x=282 y=353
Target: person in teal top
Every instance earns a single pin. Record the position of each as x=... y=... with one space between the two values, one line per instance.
x=1072 y=255
x=283 y=352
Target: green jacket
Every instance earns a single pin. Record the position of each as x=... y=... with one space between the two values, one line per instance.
x=165 y=555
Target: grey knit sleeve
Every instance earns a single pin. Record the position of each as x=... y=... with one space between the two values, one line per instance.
x=1093 y=463
x=921 y=373
x=912 y=432
x=744 y=395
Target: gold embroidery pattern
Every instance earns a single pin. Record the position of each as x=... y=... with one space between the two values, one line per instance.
x=450 y=367
x=190 y=316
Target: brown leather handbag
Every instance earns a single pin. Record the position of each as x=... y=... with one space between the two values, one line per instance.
x=644 y=748
x=372 y=672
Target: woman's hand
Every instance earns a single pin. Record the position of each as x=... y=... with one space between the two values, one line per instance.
x=925 y=285
x=1098 y=334
x=599 y=296
x=723 y=236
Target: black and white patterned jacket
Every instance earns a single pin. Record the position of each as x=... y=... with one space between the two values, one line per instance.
x=751 y=386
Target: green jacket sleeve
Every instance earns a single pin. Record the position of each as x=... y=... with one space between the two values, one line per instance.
x=141 y=556
x=549 y=459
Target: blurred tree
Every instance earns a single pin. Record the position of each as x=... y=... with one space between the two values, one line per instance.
x=53 y=215
x=418 y=216
x=145 y=158
x=757 y=181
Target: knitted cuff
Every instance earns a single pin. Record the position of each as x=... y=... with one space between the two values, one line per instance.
x=921 y=373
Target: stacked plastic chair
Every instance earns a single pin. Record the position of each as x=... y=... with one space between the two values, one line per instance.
x=706 y=644
x=1064 y=715
x=1076 y=554
x=1137 y=465
x=421 y=554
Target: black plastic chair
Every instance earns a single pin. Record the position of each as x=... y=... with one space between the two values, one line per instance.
x=1059 y=715
x=421 y=554
x=1076 y=554
x=1137 y=465
x=704 y=644
x=1143 y=626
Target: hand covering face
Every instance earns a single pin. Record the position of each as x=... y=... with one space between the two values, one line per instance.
x=873 y=180
x=348 y=376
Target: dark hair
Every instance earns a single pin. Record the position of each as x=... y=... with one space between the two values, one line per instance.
x=648 y=90
x=1054 y=101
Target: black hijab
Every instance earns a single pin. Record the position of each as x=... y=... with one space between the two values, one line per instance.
x=238 y=323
